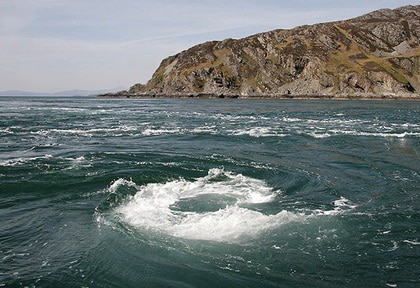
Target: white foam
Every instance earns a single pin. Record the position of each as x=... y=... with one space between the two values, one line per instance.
x=6 y=131
x=221 y=206
x=70 y=109
x=205 y=129
x=340 y=206
x=256 y=132
x=414 y=242
x=343 y=202
x=22 y=161
x=114 y=131
x=394 y=246
x=121 y=182
x=152 y=207
x=230 y=224
x=156 y=132
x=324 y=128
x=291 y=119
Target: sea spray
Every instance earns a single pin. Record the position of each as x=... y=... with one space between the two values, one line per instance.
x=181 y=208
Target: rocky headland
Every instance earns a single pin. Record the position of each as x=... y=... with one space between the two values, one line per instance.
x=373 y=56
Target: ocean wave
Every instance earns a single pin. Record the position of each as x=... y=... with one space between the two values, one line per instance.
x=64 y=163
x=257 y=132
x=112 y=131
x=210 y=208
x=251 y=126
x=335 y=132
x=341 y=206
x=412 y=242
x=67 y=109
x=156 y=132
x=22 y=160
x=221 y=206
x=6 y=131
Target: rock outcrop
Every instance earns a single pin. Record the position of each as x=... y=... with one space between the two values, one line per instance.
x=377 y=54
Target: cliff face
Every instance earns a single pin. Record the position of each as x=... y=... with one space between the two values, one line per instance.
x=378 y=53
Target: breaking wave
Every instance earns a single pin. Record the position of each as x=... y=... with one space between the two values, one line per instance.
x=221 y=206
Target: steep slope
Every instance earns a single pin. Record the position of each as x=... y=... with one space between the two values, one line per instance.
x=375 y=54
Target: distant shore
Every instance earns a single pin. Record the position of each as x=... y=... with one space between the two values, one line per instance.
x=236 y=96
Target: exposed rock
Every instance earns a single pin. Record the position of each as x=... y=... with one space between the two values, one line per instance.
x=377 y=53
x=137 y=88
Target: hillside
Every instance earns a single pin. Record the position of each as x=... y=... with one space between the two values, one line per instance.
x=375 y=55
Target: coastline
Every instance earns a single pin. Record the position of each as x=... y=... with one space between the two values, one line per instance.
x=125 y=95
x=370 y=57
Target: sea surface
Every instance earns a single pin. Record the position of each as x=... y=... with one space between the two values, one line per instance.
x=209 y=193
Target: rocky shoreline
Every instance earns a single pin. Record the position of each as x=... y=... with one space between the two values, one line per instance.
x=126 y=95
x=375 y=56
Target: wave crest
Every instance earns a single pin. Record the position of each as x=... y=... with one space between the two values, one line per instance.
x=219 y=206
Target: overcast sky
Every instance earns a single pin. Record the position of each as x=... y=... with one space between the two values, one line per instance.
x=55 y=45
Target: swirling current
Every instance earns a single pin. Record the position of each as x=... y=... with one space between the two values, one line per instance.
x=209 y=193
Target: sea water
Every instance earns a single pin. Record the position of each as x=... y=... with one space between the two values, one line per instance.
x=209 y=193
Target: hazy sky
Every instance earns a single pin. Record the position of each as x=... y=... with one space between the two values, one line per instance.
x=54 y=45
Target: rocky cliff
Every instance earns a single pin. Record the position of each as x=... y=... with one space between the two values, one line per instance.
x=375 y=54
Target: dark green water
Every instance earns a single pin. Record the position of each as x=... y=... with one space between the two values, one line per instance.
x=209 y=193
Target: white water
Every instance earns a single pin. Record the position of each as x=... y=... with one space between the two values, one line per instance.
x=154 y=207
x=183 y=208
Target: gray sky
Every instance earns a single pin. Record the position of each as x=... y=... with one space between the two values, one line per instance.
x=55 y=45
